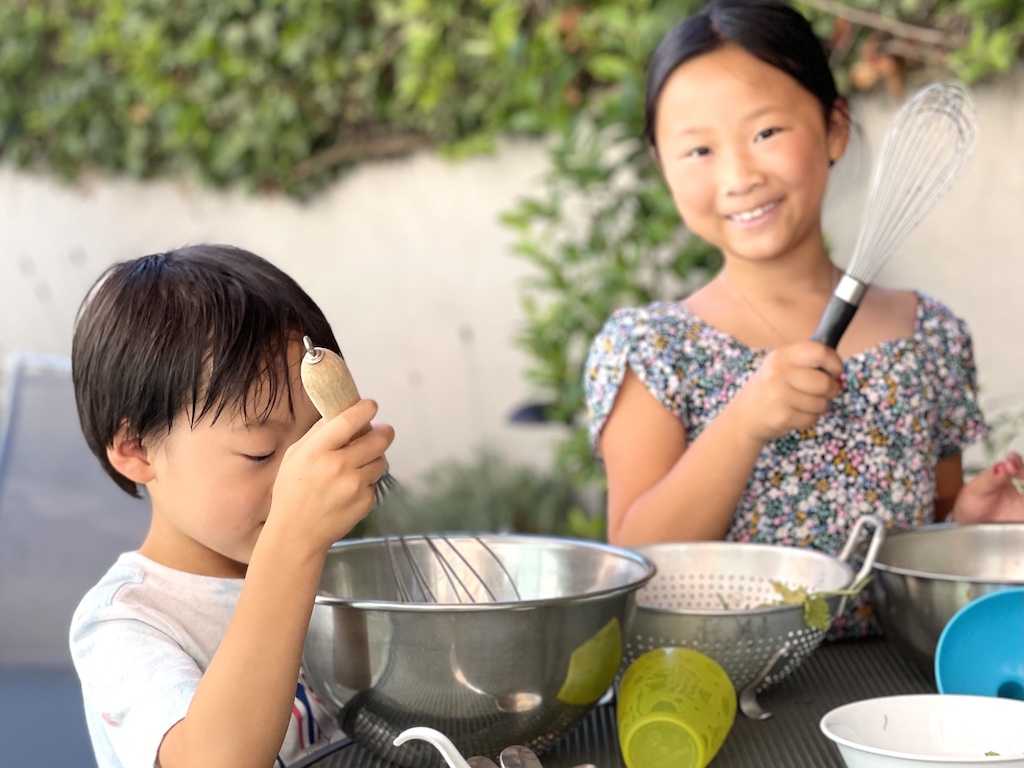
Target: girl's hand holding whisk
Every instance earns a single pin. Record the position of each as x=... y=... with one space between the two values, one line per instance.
x=993 y=496
x=790 y=390
x=326 y=481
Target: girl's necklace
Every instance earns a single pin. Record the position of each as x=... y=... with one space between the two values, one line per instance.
x=836 y=274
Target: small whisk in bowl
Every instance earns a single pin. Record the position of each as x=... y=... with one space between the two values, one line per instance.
x=426 y=569
x=924 y=151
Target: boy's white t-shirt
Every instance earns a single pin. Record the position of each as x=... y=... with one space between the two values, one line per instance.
x=141 y=640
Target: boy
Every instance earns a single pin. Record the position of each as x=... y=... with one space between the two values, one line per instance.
x=186 y=373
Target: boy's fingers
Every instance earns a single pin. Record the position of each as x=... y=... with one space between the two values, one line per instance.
x=344 y=427
x=370 y=447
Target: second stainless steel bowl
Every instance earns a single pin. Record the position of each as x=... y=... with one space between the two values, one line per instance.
x=923 y=576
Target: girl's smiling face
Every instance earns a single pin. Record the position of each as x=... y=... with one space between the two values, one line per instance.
x=745 y=151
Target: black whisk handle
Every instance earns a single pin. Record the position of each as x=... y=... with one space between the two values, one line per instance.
x=834 y=321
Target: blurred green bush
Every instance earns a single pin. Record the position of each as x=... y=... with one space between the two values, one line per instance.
x=283 y=94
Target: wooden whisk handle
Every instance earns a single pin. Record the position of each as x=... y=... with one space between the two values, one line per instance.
x=328 y=382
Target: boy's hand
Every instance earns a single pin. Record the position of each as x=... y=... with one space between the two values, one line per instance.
x=790 y=390
x=993 y=496
x=324 y=485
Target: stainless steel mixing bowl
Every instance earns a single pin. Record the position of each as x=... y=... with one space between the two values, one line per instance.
x=486 y=674
x=923 y=576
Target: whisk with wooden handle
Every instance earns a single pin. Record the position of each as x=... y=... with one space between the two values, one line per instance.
x=924 y=151
x=330 y=386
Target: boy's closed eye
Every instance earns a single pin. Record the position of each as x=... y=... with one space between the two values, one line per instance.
x=261 y=458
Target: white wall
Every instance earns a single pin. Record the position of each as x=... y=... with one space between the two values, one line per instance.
x=411 y=265
x=407 y=259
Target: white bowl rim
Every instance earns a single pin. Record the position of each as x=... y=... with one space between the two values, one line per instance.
x=917 y=756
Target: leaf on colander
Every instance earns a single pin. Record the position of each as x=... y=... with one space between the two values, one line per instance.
x=789 y=596
x=816 y=611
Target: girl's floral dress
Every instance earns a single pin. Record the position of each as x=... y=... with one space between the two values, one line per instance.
x=905 y=405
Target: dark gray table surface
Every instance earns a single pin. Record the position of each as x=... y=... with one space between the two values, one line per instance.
x=835 y=674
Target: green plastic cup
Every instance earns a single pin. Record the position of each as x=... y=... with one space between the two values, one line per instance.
x=675 y=708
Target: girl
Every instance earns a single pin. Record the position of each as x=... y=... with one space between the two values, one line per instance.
x=716 y=417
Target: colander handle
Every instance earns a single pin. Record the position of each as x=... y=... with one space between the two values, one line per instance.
x=851 y=543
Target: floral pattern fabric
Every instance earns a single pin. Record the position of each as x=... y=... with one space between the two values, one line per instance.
x=905 y=405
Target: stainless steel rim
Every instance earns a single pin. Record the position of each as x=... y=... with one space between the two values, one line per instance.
x=648 y=567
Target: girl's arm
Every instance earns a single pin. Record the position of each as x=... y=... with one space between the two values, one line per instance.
x=656 y=495
x=949 y=479
x=662 y=488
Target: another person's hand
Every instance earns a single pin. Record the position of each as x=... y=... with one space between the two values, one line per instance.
x=992 y=496
x=791 y=390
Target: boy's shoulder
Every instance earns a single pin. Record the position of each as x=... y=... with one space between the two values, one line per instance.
x=137 y=589
x=127 y=572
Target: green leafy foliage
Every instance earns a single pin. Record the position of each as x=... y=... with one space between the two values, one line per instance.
x=880 y=40
x=283 y=94
x=270 y=95
x=815 y=604
x=604 y=234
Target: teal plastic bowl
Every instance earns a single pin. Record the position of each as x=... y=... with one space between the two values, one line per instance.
x=981 y=649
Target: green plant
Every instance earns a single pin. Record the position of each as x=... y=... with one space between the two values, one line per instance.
x=880 y=40
x=604 y=234
x=486 y=493
x=285 y=94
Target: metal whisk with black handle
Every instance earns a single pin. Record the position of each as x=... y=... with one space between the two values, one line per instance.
x=924 y=151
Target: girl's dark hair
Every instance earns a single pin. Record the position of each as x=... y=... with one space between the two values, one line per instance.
x=191 y=330
x=768 y=29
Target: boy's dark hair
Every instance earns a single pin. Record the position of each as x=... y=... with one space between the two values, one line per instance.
x=192 y=330
x=769 y=30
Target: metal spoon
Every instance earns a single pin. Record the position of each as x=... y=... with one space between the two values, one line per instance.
x=518 y=756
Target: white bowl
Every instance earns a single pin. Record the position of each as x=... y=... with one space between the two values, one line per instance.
x=928 y=731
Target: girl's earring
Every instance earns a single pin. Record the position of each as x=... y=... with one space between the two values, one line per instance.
x=831 y=162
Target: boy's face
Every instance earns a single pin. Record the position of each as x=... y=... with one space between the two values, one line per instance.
x=212 y=483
